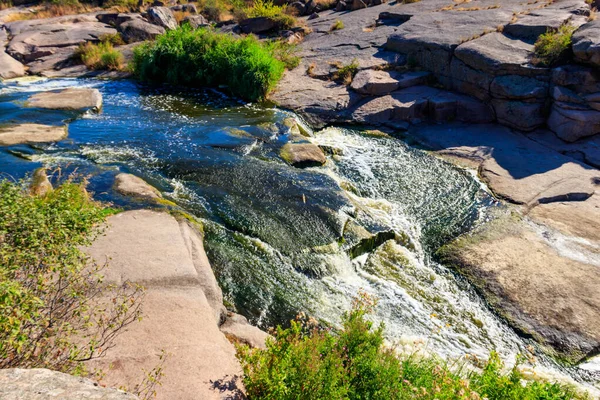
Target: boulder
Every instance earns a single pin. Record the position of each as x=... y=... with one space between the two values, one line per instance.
x=357 y=5
x=297 y=8
x=131 y=185
x=116 y=19
x=43 y=384
x=375 y=83
x=237 y=329
x=520 y=115
x=571 y=123
x=515 y=87
x=530 y=26
x=40 y=184
x=9 y=67
x=189 y=8
x=303 y=155
x=340 y=6
x=258 y=25
x=162 y=16
x=138 y=30
x=31 y=133
x=195 y=21
x=448 y=106
x=586 y=43
x=68 y=99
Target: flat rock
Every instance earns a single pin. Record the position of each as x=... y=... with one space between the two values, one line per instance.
x=67 y=99
x=375 y=83
x=131 y=185
x=138 y=30
x=258 y=25
x=586 y=43
x=9 y=67
x=542 y=292
x=162 y=16
x=237 y=329
x=43 y=384
x=520 y=115
x=530 y=26
x=447 y=106
x=303 y=154
x=585 y=150
x=573 y=123
x=31 y=133
x=516 y=87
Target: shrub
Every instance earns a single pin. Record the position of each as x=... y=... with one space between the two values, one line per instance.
x=553 y=45
x=286 y=53
x=266 y=8
x=345 y=73
x=247 y=67
x=337 y=25
x=55 y=312
x=100 y=56
x=307 y=362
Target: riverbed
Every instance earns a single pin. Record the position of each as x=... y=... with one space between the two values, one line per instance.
x=284 y=240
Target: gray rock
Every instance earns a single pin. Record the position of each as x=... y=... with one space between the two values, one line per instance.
x=313 y=16
x=517 y=87
x=340 y=6
x=520 y=115
x=61 y=58
x=190 y=8
x=448 y=106
x=573 y=124
x=162 y=16
x=586 y=43
x=298 y=8
x=131 y=185
x=138 y=30
x=578 y=77
x=31 y=133
x=564 y=95
x=375 y=83
x=68 y=99
x=357 y=5
x=258 y=25
x=303 y=155
x=532 y=25
x=43 y=384
x=195 y=21
x=116 y=19
x=9 y=67
x=237 y=328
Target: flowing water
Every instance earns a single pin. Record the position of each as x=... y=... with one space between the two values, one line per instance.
x=283 y=240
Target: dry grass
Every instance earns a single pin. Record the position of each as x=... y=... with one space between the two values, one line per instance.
x=50 y=11
x=180 y=15
x=4 y=4
x=592 y=16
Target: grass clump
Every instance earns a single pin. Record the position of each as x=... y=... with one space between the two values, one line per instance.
x=345 y=73
x=307 y=362
x=55 y=312
x=100 y=56
x=202 y=57
x=266 y=8
x=337 y=25
x=553 y=46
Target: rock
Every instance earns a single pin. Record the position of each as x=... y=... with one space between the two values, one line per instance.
x=311 y=6
x=297 y=8
x=43 y=384
x=258 y=25
x=303 y=155
x=164 y=255
x=340 y=6
x=520 y=115
x=413 y=78
x=583 y=79
x=40 y=184
x=61 y=58
x=586 y=43
x=375 y=83
x=237 y=329
x=190 y=8
x=573 y=124
x=195 y=21
x=31 y=133
x=9 y=67
x=162 y=16
x=313 y=16
x=116 y=19
x=67 y=99
x=138 y=30
x=540 y=291
x=131 y=185
x=515 y=87
x=564 y=95
x=448 y=106
x=357 y=5
x=530 y=26
x=586 y=150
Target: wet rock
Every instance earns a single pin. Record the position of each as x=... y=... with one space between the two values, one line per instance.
x=31 y=133
x=138 y=30
x=258 y=25
x=237 y=329
x=303 y=155
x=67 y=99
x=195 y=21
x=162 y=16
x=40 y=184
x=43 y=384
x=131 y=185
x=573 y=123
x=9 y=67
x=586 y=43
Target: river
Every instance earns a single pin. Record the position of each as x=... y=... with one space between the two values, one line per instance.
x=284 y=240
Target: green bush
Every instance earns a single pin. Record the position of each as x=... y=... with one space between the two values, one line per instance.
x=306 y=362
x=266 y=8
x=183 y=56
x=100 y=56
x=553 y=45
x=55 y=312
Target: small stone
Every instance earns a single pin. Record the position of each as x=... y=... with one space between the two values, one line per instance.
x=375 y=83
x=313 y=16
x=131 y=185
x=303 y=155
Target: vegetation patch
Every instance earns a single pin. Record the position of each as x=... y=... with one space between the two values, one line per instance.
x=266 y=8
x=308 y=362
x=55 y=311
x=245 y=66
x=100 y=56
x=337 y=25
x=553 y=46
x=345 y=73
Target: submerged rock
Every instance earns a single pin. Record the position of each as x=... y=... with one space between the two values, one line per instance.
x=68 y=99
x=43 y=384
x=303 y=155
x=31 y=133
x=131 y=185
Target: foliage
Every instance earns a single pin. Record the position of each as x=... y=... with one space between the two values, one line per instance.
x=337 y=25
x=266 y=8
x=345 y=73
x=307 y=362
x=285 y=53
x=553 y=45
x=202 y=57
x=55 y=311
x=100 y=56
